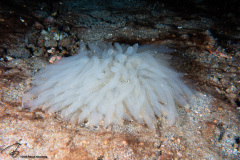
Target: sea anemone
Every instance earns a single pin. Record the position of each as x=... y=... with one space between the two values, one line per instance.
x=110 y=83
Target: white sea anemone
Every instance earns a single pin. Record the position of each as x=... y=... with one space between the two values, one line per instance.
x=110 y=83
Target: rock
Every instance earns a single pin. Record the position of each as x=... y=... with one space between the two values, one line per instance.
x=18 y=53
x=39 y=51
x=50 y=43
x=231 y=89
x=66 y=43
